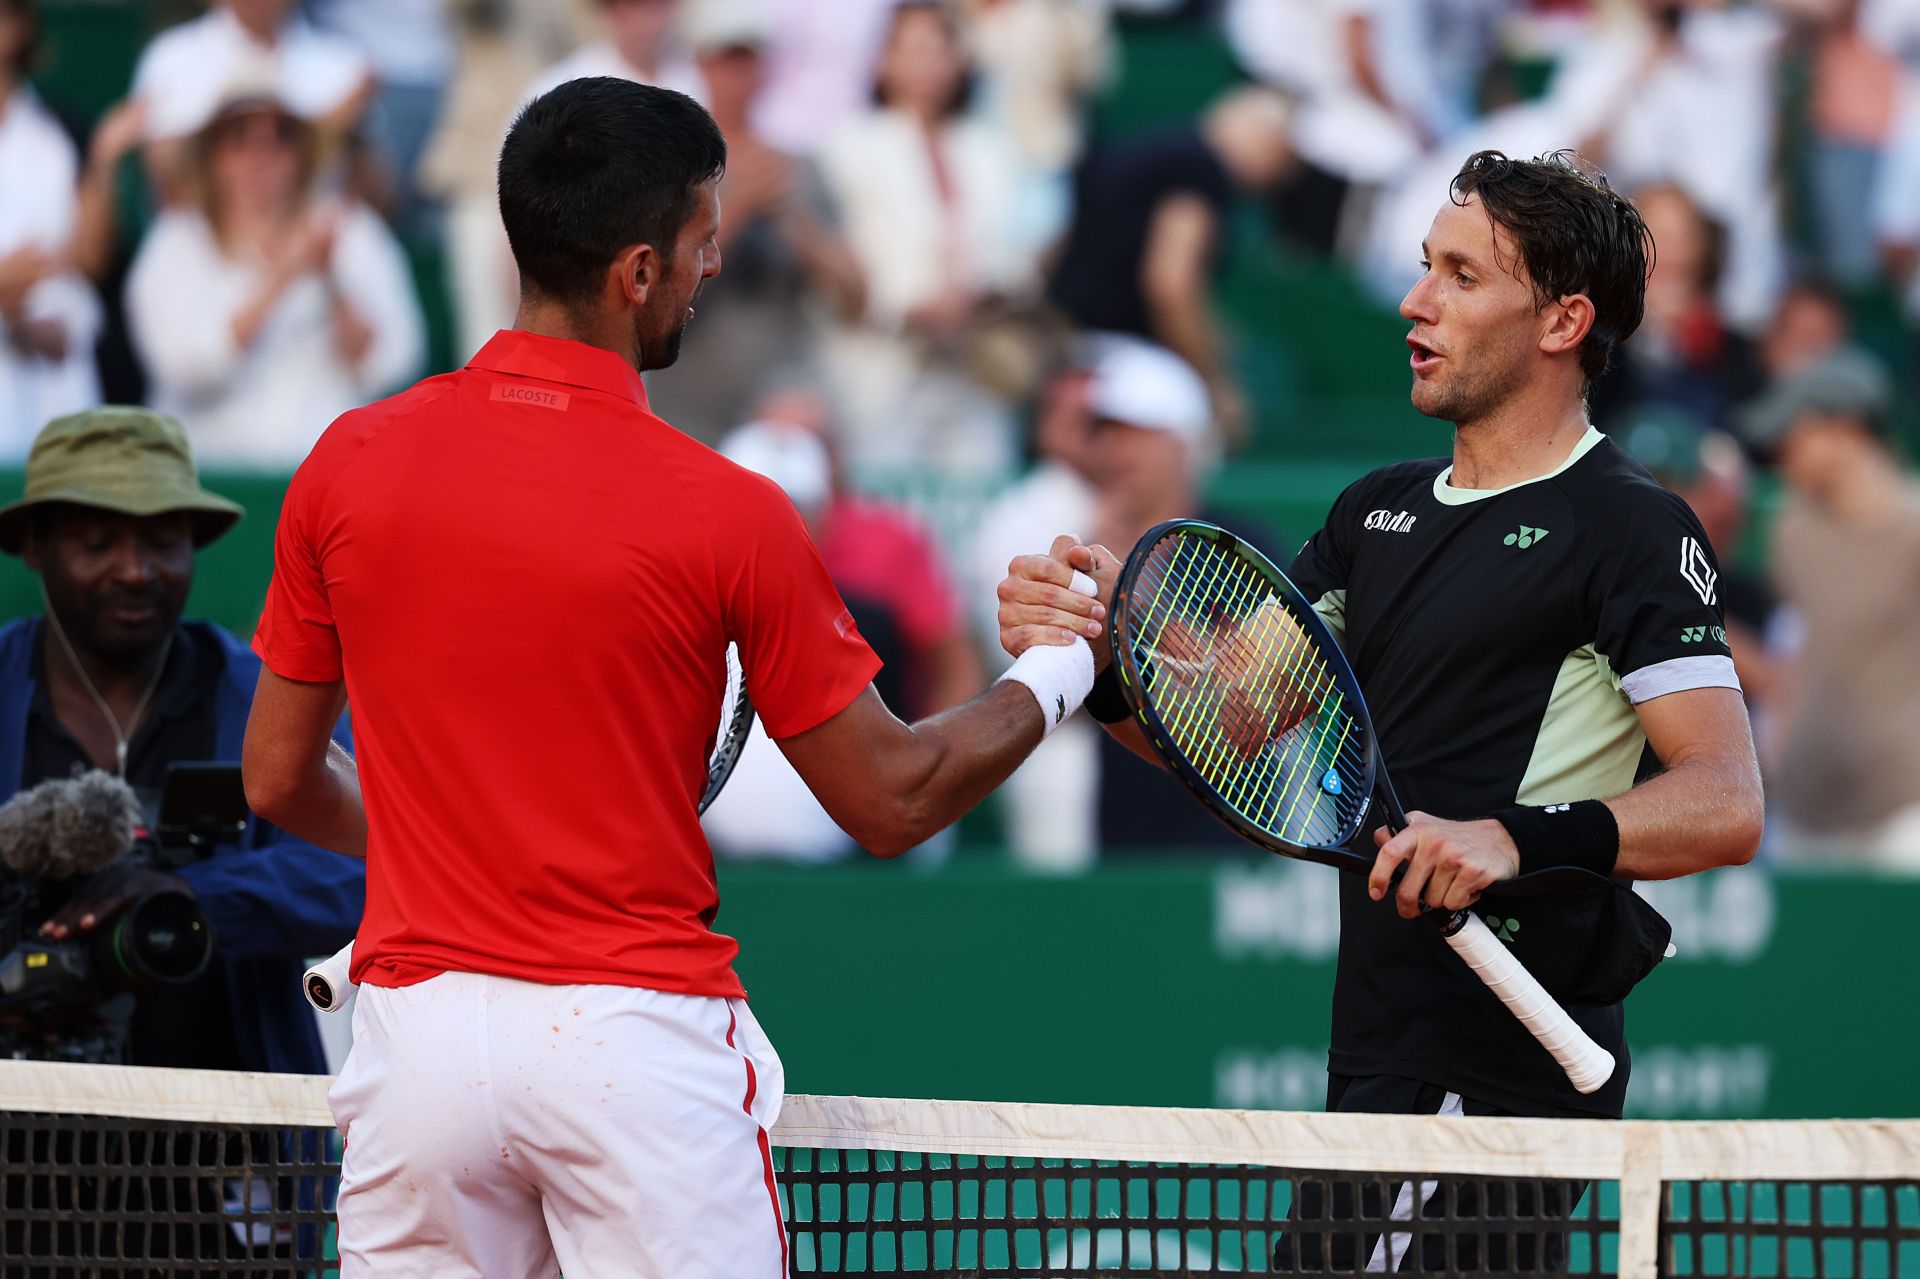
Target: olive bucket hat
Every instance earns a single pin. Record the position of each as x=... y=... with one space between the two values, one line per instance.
x=130 y=460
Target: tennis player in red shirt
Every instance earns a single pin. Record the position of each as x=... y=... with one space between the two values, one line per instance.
x=525 y=583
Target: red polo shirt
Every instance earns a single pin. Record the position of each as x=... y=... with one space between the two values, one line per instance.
x=528 y=582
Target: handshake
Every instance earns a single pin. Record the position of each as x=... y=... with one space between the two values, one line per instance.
x=1249 y=673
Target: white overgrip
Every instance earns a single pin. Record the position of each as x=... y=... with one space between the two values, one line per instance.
x=1587 y=1064
x=326 y=984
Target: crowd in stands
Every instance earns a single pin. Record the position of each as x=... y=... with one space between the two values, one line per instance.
x=938 y=276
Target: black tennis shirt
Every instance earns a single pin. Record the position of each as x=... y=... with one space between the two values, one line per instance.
x=1502 y=638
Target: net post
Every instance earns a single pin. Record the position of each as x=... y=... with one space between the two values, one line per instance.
x=1640 y=1187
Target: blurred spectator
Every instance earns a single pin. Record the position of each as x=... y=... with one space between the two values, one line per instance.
x=819 y=69
x=1855 y=93
x=1150 y=229
x=893 y=579
x=261 y=313
x=48 y=315
x=1683 y=355
x=1152 y=433
x=1039 y=60
x=638 y=45
x=1379 y=83
x=759 y=321
x=411 y=45
x=1846 y=557
x=501 y=45
x=1709 y=472
x=1049 y=804
x=929 y=201
x=1809 y=325
x=1683 y=93
x=181 y=75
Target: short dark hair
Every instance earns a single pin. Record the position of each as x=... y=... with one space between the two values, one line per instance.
x=1575 y=235
x=596 y=166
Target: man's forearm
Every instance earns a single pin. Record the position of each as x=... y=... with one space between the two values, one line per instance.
x=324 y=808
x=953 y=761
x=1699 y=814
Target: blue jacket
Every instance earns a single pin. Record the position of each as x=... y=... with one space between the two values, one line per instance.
x=275 y=901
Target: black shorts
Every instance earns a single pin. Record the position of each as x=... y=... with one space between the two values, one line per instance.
x=1341 y=1223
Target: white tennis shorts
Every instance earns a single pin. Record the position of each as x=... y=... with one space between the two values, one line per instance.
x=501 y=1129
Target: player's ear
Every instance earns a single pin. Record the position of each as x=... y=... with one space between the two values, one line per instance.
x=1567 y=323
x=635 y=273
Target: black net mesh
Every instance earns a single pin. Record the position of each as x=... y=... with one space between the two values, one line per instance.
x=103 y=1198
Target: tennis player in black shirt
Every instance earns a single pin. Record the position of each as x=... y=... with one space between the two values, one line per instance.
x=1537 y=627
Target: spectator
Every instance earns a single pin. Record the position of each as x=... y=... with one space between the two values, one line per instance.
x=1039 y=61
x=638 y=46
x=1855 y=93
x=819 y=69
x=929 y=201
x=1809 y=324
x=1152 y=434
x=49 y=317
x=501 y=45
x=1683 y=355
x=261 y=313
x=1378 y=84
x=1049 y=804
x=181 y=75
x=890 y=574
x=1709 y=472
x=1846 y=558
x=111 y=678
x=1150 y=228
x=411 y=46
x=786 y=264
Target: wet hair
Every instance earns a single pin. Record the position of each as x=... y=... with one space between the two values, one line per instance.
x=1575 y=234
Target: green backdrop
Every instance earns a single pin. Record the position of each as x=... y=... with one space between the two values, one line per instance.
x=1202 y=985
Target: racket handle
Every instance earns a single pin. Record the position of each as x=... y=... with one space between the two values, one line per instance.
x=1587 y=1064
x=327 y=985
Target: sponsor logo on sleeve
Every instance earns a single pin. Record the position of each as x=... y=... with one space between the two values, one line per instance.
x=1697 y=568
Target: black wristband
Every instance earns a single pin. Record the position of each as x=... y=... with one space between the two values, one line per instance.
x=1106 y=702
x=1583 y=834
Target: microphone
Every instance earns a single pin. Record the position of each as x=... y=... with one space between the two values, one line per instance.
x=68 y=827
x=326 y=983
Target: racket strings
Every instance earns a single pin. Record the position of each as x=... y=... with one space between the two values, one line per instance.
x=1243 y=692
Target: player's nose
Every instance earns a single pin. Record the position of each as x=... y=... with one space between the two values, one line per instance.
x=1418 y=304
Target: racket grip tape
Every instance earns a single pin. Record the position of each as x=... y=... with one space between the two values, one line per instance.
x=1587 y=1064
x=327 y=985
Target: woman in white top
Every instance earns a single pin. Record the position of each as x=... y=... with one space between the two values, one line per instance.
x=261 y=313
x=929 y=200
x=49 y=316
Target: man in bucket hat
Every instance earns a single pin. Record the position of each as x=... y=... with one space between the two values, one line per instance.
x=110 y=677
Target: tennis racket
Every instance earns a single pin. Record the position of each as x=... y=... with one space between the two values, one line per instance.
x=327 y=985
x=1244 y=693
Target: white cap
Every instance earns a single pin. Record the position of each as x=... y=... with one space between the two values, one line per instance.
x=728 y=24
x=1142 y=384
x=791 y=456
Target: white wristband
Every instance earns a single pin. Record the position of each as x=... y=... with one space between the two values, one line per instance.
x=1058 y=677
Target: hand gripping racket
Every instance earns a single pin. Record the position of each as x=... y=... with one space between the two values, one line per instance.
x=327 y=985
x=1243 y=691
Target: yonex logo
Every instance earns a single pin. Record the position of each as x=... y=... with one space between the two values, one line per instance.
x=1697 y=568
x=1694 y=634
x=1524 y=538
x=1503 y=928
x=1391 y=521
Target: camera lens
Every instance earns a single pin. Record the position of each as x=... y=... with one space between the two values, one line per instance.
x=163 y=938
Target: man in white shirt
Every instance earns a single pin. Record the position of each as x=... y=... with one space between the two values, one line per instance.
x=181 y=74
x=49 y=316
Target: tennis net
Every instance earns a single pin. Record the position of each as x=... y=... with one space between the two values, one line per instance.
x=119 y=1171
